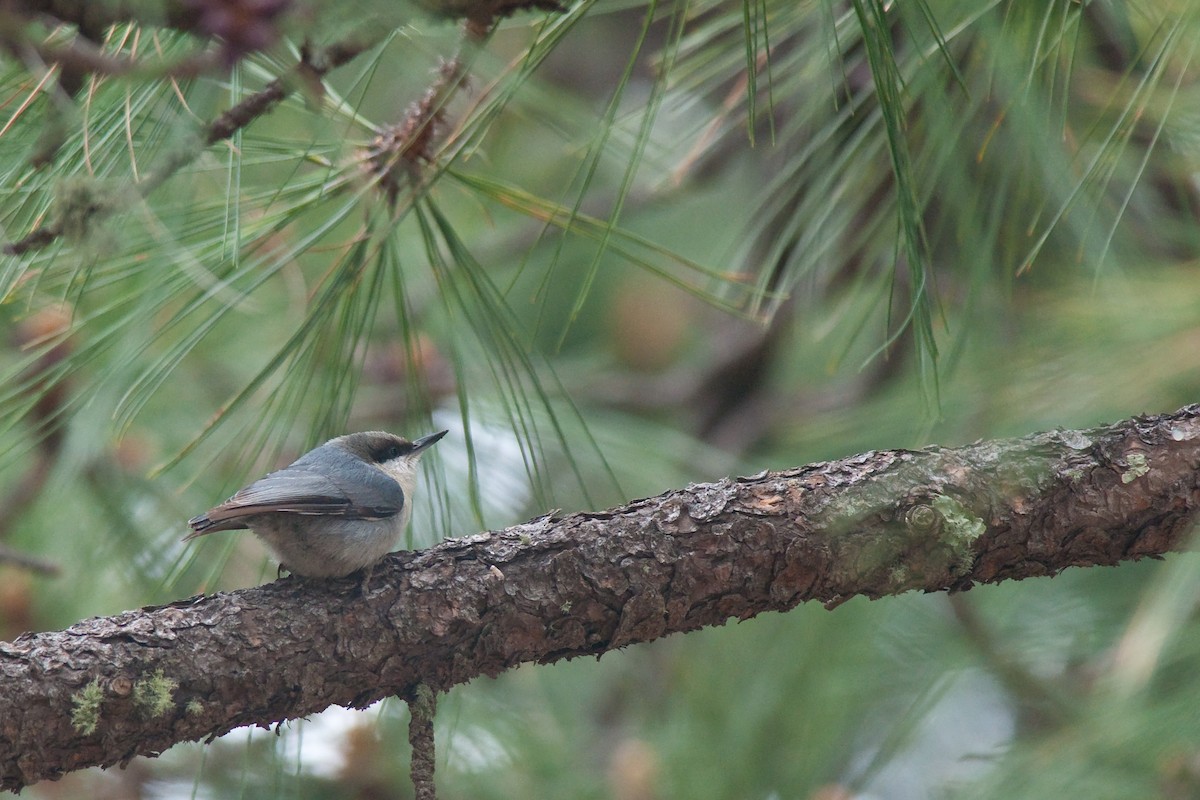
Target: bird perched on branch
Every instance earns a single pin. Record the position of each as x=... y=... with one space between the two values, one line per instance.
x=339 y=508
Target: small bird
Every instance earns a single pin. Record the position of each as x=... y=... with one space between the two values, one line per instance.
x=339 y=508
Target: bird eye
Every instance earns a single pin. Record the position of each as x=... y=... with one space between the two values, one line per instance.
x=391 y=451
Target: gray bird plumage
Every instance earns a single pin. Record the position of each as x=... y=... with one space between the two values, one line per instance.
x=338 y=508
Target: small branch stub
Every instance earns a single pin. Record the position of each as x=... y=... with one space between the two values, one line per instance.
x=422 y=707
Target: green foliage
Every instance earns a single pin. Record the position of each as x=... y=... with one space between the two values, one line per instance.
x=647 y=244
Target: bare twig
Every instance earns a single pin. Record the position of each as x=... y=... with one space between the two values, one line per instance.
x=44 y=566
x=422 y=707
x=34 y=240
x=84 y=57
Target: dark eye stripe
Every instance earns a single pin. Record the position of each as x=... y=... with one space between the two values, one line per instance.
x=389 y=452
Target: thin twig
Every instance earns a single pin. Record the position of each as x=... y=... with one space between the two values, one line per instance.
x=82 y=56
x=42 y=566
x=422 y=706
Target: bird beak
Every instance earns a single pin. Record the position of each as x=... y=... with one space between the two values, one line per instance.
x=426 y=441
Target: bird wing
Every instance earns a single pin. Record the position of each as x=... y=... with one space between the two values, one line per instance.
x=359 y=492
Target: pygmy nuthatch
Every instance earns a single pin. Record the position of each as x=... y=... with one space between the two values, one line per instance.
x=338 y=508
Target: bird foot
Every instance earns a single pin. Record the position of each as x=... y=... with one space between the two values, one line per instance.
x=364 y=588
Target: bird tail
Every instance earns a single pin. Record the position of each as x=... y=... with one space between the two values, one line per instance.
x=201 y=525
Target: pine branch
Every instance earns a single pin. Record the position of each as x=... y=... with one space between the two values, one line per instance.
x=312 y=67
x=876 y=524
x=189 y=16
x=315 y=63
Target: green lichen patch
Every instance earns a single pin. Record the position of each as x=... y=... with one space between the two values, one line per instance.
x=1138 y=466
x=153 y=695
x=960 y=530
x=86 y=716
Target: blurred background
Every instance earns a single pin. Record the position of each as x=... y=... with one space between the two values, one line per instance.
x=647 y=243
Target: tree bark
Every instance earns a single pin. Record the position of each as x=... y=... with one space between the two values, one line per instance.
x=875 y=524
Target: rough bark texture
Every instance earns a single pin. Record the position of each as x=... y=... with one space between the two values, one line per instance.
x=875 y=524
x=422 y=707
